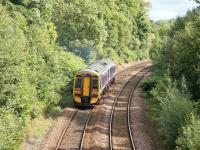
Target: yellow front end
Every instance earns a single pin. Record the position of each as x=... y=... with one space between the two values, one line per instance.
x=86 y=89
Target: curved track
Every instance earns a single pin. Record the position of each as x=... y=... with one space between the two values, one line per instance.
x=85 y=116
x=84 y=131
x=64 y=131
x=120 y=127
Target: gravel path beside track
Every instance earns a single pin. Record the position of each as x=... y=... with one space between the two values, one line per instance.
x=143 y=128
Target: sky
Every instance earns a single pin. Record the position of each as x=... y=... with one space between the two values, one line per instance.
x=168 y=9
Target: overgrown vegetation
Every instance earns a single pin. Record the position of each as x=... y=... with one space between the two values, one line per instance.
x=173 y=89
x=168 y=108
x=44 y=42
x=33 y=69
x=189 y=137
x=94 y=29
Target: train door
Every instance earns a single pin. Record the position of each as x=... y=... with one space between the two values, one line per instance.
x=86 y=86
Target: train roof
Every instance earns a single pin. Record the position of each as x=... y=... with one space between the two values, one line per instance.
x=100 y=66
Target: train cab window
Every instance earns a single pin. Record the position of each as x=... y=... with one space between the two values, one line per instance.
x=78 y=82
x=95 y=84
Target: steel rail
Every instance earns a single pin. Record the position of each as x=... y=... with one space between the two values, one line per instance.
x=84 y=130
x=112 y=112
x=131 y=67
x=128 y=109
x=65 y=130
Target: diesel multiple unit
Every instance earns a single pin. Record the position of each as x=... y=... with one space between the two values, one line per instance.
x=92 y=82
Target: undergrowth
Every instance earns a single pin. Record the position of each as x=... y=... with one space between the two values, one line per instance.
x=170 y=108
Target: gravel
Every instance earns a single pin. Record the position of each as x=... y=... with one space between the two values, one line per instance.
x=73 y=135
x=143 y=128
x=59 y=125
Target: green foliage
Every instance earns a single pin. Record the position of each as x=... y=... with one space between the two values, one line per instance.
x=150 y=84
x=11 y=131
x=178 y=51
x=34 y=70
x=37 y=127
x=169 y=107
x=54 y=112
x=175 y=51
x=86 y=26
x=110 y=52
x=190 y=133
x=161 y=28
x=197 y=106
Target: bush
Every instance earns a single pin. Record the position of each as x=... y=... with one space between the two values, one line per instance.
x=54 y=112
x=174 y=108
x=189 y=138
x=11 y=130
x=36 y=73
x=170 y=109
x=142 y=54
x=149 y=84
x=177 y=50
x=197 y=106
x=111 y=53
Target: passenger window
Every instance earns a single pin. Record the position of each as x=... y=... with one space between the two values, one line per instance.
x=95 y=84
x=78 y=83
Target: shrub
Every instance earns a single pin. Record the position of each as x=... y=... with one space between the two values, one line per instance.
x=142 y=53
x=189 y=138
x=111 y=53
x=11 y=130
x=149 y=84
x=171 y=107
x=54 y=112
x=197 y=106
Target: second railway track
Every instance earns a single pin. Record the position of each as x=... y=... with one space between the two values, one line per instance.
x=120 y=128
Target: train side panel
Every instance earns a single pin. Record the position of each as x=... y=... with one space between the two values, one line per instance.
x=107 y=78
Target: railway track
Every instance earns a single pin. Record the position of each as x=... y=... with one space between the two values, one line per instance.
x=129 y=69
x=72 y=134
x=67 y=142
x=120 y=135
x=64 y=131
x=84 y=131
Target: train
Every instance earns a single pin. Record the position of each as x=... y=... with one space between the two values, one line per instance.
x=92 y=82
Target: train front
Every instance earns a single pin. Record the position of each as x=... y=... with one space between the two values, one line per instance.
x=86 y=88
